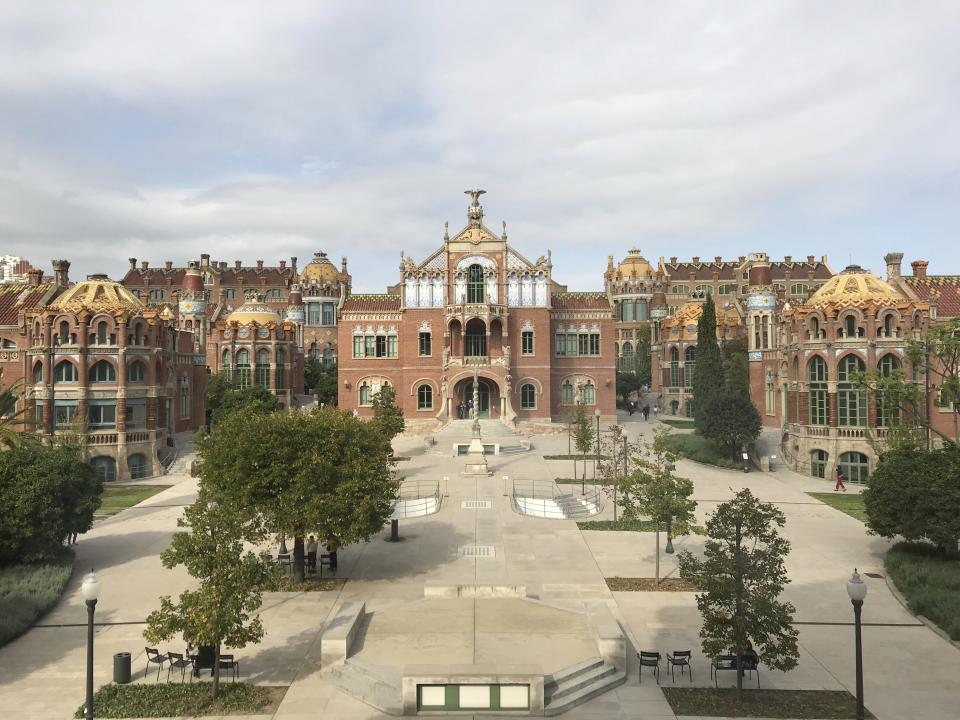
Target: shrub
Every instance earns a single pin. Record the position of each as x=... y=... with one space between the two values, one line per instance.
x=178 y=700
x=696 y=447
x=28 y=592
x=930 y=580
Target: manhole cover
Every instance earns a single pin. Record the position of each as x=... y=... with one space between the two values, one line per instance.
x=477 y=551
x=475 y=505
x=873 y=575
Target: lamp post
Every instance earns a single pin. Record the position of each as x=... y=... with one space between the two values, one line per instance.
x=857 y=590
x=90 y=590
x=596 y=466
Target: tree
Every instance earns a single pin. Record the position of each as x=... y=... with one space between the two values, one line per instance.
x=731 y=420
x=220 y=611
x=899 y=403
x=224 y=399
x=741 y=578
x=387 y=417
x=582 y=436
x=939 y=353
x=708 y=368
x=913 y=493
x=643 y=369
x=10 y=416
x=627 y=383
x=326 y=473
x=47 y=493
x=736 y=367
x=321 y=379
x=652 y=490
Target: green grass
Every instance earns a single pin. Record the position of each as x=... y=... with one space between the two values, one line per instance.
x=28 y=592
x=630 y=525
x=179 y=700
x=120 y=497
x=702 y=450
x=577 y=481
x=589 y=457
x=851 y=504
x=722 y=702
x=929 y=580
x=683 y=424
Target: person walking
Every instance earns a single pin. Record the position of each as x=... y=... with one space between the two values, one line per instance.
x=839 y=485
x=646 y=412
x=631 y=407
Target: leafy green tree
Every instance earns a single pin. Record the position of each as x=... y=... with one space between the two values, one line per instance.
x=899 y=405
x=582 y=436
x=736 y=367
x=914 y=494
x=643 y=370
x=220 y=611
x=731 y=420
x=627 y=383
x=47 y=493
x=10 y=416
x=939 y=353
x=741 y=578
x=709 y=366
x=387 y=417
x=255 y=399
x=321 y=379
x=325 y=473
x=653 y=491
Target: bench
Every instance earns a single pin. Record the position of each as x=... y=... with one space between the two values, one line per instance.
x=729 y=662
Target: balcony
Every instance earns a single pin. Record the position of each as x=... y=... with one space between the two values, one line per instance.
x=837 y=433
x=481 y=310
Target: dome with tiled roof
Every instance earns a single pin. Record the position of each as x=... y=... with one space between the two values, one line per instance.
x=634 y=264
x=254 y=310
x=854 y=287
x=690 y=314
x=319 y=270
x=98 y=293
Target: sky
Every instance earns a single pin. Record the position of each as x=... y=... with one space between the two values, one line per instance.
x=256 y=130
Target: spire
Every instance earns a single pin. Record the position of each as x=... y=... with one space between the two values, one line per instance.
x=503 y=236
x=446 y=231
x=475 y=211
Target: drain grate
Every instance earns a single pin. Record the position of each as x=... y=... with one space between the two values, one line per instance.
x=873 y=575
x=475 y=505
x=477 y=551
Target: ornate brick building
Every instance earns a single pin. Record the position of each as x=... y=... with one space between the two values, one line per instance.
x=630 y=287
x=476 y=306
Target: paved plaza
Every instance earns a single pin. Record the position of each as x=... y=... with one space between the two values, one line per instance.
x=910 y=671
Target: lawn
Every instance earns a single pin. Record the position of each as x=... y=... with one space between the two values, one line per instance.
x=629 y=525
x=849 y=503
x=681 y=424
x=588 y=457
x=120 y=497
x=28 y=592
x=701 y=449
x=929 y=580
x=722 y=702
x=183 y=700
x=668 y=584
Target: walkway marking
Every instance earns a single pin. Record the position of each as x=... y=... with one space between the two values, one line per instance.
x=477 y=551
x=475 y=505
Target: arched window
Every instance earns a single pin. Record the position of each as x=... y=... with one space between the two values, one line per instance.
x=102 y=333
x=38 y=373
x=475 y=284
x=262 y=373
x=849 y=326
x=64 y=334
x=818 y=463
x=589 y=394
x=139 y=336
x=814 y=328
x=641 y=310
x=888 y=326
x=366 y=393
x=674 y=367
x=104 y=467
x=851 y=399
x=314 y=353
x=627 y=310
x=628 y=349
x=854 y=466
x=425 y=397
x=102 y=371
x=226 y=359
x=64 y=371
x=689 y=363
x=475 y=338
x=888 y=413
x=243 y=369
x=566 y=393
x=281 y=373
x=137 y=465
x=136 y=372
x=817 y=390
x=528 y=397
x=184 y=397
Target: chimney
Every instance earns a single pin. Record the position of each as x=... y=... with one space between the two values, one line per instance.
x=293 y=264
x=144 y=265
x=343 y=264
x=696 y=259
x=893 y=261
x=34 y=276
x=259 y=264
x=168 y=264
x=788 y=258
x=204 y=259
x=718 y=259
x=609 y=262
x=61 y=273
x=919 y=269
x=743 y=259
x=810 y=259
x=223 y=264
x=283 y=264
x=673 y=260
x=236 y=265
x=133 y=263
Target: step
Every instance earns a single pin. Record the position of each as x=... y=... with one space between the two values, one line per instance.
x=552 y=681
x=577 y=683
x=368 y=687
x=567 y=702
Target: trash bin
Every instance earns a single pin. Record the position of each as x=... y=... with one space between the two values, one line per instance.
x=121 y=668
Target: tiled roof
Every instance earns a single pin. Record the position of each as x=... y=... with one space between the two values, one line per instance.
x=251 y=276
x=371 y=303
x=580 y=301
x=729 y=270
x=16 y=297
x=944 y=287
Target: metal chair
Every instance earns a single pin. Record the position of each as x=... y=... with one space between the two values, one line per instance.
x=154 y=656
x=177 y=660
x=227 y=662
x=651 y=660
x=679 y=659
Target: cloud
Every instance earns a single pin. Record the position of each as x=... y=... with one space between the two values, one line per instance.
x=258 y=130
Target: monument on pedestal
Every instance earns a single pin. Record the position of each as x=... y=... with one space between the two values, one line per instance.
x=476 y=459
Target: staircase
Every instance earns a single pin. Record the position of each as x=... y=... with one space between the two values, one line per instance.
x=491 y=431
x=185 y=455
x=370 y=684
x=578 y=683
x=565 y=506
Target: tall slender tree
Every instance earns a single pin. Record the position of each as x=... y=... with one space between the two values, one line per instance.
x=707 y=380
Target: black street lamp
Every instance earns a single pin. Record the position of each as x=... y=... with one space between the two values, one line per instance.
x=90 y=590
x=857 y=590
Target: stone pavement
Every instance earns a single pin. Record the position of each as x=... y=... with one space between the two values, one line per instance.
x=910 y=671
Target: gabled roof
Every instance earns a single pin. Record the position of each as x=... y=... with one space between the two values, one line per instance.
x=944 y=288
x=580 y=301
x=17 y=297
x=372 y=303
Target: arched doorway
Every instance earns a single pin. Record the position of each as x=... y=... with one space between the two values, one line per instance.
x=489 y=400
x=483 y=396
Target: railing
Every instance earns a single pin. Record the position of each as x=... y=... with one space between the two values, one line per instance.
x=166 y=455
x=102 y=439
x=138 y=436
x=539 y=498
x=416 y=498
x=476 y=360
x=825 y=431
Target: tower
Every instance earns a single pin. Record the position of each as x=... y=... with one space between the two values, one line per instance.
x=761 y=305
x=192 y=306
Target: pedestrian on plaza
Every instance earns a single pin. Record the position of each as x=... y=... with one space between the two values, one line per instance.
x=631 y=407
x=656 y=411
x=469 y=407
x=73 y=538
x=311 y=554
x=839 y=485
x=646 y=412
